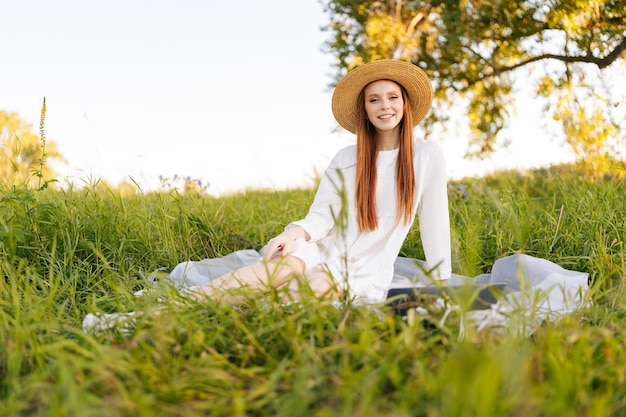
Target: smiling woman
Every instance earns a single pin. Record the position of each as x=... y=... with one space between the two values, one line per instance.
x=380 y=185
x=366 y=202
x=384 y=103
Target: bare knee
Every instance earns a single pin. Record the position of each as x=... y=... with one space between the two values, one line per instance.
x=319 y=284
x=281 y=269
x=273 y=273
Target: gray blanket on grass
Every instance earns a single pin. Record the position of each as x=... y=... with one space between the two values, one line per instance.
x=539 y=290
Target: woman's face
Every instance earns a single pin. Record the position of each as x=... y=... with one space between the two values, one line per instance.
x=384 y=105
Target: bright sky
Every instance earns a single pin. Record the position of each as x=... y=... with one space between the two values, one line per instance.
x=230 y=92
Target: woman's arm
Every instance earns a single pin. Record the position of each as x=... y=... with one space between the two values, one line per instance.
x=328 y=201
x=434 y=217
x=318 y=221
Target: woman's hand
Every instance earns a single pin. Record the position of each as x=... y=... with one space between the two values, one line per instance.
x=281 y=244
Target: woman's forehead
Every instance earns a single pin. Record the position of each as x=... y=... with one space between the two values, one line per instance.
x=382 y=87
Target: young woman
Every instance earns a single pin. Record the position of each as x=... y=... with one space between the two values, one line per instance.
x=365 y=205
x=367 y=199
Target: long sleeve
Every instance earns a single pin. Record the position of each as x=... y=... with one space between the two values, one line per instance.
x=433 y=214
x=330 y=197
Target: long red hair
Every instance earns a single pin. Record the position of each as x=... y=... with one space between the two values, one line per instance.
x=367 y=151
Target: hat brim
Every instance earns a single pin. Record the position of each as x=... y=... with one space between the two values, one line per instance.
x=410 y=76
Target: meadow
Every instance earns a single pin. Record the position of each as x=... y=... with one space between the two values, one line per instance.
x=67 y=253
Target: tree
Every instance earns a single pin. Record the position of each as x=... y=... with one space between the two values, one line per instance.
x=22 y=152
x=475 y=50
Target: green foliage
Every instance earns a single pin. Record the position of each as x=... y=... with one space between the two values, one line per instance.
x=23 y=154
x=475 y=51
x=65 y=253
x=41 y=165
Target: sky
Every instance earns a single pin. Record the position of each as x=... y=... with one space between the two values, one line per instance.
x=232 y=93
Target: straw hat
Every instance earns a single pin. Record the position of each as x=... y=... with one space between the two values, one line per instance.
x=408 y=75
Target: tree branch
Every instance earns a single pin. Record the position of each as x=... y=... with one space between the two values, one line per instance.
x=590 y=59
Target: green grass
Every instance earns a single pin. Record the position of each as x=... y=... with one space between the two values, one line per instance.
x=64 y=254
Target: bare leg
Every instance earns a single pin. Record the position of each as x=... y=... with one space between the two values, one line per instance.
x=255 y=278
x=317 y=283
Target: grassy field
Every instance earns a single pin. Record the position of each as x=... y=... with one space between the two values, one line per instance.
x=64 y=254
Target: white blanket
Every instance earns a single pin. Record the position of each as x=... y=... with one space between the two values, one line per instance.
x=540 y=290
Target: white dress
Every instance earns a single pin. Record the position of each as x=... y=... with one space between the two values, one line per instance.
x=363 y=263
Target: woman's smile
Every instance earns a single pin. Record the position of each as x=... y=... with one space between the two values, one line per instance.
x=384 y=104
